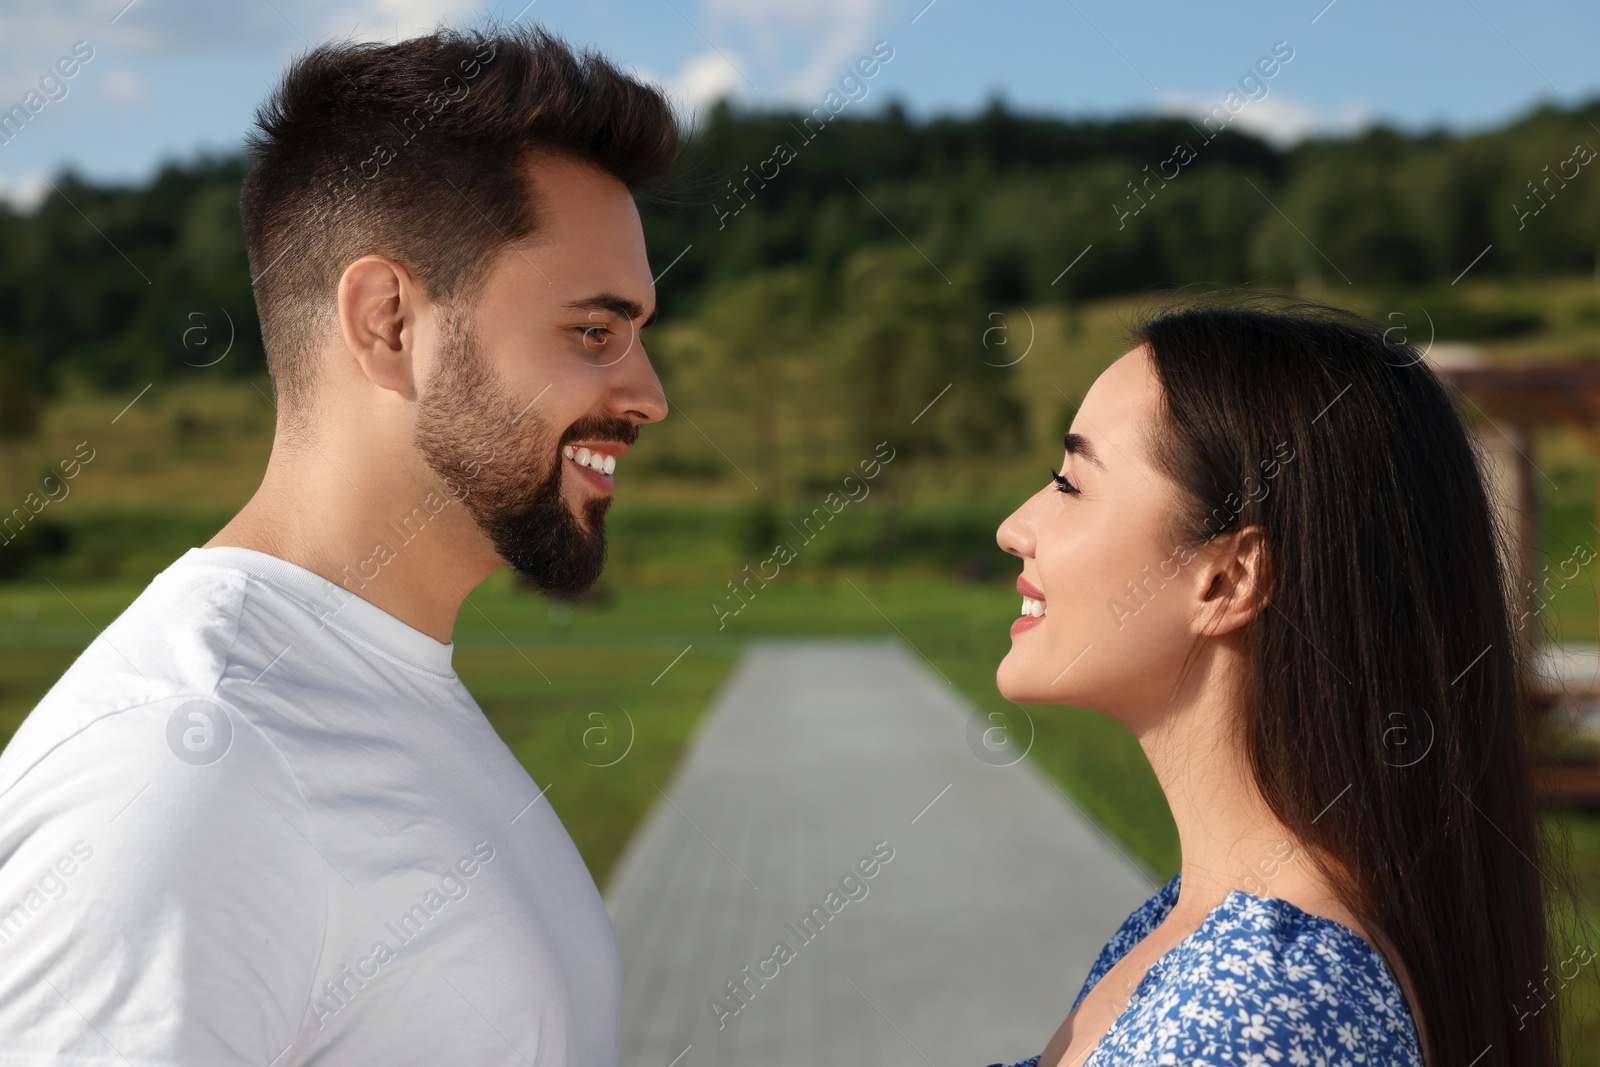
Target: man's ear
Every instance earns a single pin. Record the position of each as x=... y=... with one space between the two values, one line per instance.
x=377 y=320
x=1235 y=583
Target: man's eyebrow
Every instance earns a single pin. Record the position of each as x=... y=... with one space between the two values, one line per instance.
x=617 y=305
x=1078 y=445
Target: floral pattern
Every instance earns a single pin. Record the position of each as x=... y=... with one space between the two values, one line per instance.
x=1259 y=983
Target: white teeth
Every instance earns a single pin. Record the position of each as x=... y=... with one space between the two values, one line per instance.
x=1033 y=607
x=596 y=461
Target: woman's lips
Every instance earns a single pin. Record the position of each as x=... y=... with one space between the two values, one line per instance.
x=1033 y=611
x=1025 y=622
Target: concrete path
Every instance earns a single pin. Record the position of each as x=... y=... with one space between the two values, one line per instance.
x=964 y=949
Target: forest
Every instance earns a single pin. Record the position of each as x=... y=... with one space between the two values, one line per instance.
x=847 y=308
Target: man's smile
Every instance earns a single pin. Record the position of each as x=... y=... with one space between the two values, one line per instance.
x=596 y=461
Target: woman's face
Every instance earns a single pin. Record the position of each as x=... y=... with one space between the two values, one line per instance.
x=1116 y=590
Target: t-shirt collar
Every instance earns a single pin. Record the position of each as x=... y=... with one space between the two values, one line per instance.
x=332 y=604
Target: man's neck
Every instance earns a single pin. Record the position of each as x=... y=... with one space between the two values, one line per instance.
x=376 y=532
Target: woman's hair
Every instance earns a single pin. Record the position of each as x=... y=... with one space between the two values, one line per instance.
x=1384 y=725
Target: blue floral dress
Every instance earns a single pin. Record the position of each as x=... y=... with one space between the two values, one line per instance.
x=1259 y=983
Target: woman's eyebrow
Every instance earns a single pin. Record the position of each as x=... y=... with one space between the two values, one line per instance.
x=1078 y=445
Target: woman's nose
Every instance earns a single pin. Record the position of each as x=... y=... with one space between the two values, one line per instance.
x=1018 y=535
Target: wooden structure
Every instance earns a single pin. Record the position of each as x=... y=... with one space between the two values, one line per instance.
x=1505 y=406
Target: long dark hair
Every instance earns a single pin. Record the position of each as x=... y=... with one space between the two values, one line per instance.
x=1389 y=611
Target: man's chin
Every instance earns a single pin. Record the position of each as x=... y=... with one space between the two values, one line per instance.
x=563 y=560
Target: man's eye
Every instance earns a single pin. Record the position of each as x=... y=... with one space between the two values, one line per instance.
x=594 y=337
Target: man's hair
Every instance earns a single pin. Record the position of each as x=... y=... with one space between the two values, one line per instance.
x=418 y=151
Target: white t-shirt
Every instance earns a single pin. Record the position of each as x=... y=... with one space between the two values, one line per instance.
x=260 y=821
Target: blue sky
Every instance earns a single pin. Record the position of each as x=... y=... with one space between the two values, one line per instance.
x=169 y=78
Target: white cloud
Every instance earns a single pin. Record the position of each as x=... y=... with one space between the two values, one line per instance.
x=800 y=47
x=24 y=193
x=703 y=81
x=393 y=20
x=1275 y=118
x=124 y=86
x=32 y=35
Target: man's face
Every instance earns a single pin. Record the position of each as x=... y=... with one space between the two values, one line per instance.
x=541 y=380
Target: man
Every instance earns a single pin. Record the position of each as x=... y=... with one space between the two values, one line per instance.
x=260 y=820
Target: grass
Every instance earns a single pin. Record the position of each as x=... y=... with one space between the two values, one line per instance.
x=570 y=690
x=608 y=658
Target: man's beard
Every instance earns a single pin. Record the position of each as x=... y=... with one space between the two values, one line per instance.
x=503 y=462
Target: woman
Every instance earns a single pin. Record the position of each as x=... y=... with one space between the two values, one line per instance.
x=1270 y=555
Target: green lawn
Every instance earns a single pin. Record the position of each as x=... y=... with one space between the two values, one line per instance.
x=604 y=665
x=571 y=690
x=598 y=703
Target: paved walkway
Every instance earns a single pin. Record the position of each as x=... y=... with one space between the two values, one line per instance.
x=968 y=945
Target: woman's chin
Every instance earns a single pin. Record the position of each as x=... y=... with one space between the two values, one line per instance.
x=1012 y=680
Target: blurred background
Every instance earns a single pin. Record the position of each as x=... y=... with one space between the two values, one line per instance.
x=926 y=224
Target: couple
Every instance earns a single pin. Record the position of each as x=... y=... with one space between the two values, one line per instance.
x=264 y=787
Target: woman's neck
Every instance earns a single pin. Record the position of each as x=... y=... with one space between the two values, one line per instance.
x=1229 y=838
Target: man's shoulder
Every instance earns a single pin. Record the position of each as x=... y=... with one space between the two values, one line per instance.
x=170 y=645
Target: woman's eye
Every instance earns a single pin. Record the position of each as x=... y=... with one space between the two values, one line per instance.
x=1061 y=482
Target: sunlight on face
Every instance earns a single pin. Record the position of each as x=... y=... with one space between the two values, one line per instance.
x=557 y=322
x=1114 y=627
x=540 y=381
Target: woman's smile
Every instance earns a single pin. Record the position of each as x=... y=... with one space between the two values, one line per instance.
x=1032 y=607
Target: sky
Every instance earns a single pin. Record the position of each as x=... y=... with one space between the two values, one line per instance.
x=169 y=79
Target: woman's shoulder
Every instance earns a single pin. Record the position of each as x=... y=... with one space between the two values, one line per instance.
x=1262 y=976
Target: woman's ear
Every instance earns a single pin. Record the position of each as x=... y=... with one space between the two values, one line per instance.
x=1235 y=583
x=377 y=321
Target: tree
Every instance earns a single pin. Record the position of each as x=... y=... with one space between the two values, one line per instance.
x=25 y=385
x=913 y=370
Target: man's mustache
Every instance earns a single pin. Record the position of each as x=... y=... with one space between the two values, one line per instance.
x=601 y=428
